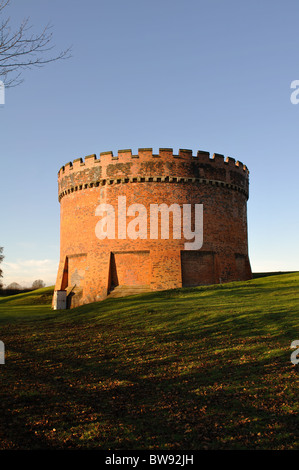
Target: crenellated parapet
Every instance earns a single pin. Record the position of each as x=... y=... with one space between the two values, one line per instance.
x=147 y=167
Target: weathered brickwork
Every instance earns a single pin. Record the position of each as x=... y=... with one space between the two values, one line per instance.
x=89 y=268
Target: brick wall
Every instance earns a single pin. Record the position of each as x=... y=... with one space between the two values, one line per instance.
x=97 y=265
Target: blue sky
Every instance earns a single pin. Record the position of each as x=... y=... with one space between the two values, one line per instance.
x=208 y=75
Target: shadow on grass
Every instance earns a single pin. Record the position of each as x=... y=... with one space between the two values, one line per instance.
x=112 y=401
x=185 y=369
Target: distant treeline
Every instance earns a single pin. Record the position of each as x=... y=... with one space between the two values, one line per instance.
x=6 y=292
x=275 y=273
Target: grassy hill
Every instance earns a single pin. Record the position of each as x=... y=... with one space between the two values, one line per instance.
x=192 y=368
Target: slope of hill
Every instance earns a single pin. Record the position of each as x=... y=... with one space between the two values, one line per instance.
x=196 y=368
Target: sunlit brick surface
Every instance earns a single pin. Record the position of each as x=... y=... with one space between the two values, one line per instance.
x=89 y=268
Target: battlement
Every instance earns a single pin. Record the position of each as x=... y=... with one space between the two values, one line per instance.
x=148 y=167
x=145 y=154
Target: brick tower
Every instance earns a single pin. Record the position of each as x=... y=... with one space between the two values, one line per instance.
x=90 y=267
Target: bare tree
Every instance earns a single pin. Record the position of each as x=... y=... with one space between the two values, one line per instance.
x=21 y=49
x=1 y=259
x=38 y=284
x=14 y=286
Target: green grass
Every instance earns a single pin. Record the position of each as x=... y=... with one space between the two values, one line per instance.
x=192 y=368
